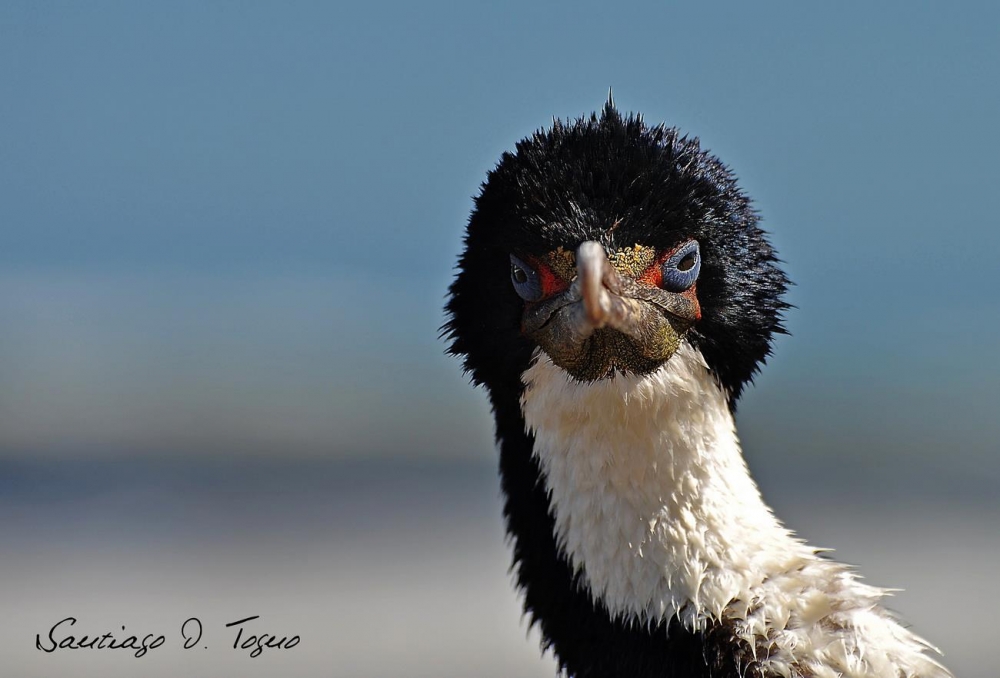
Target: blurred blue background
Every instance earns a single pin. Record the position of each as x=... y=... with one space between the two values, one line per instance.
x=227 y=230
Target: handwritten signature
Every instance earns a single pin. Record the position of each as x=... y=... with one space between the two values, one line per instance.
x=191 y=632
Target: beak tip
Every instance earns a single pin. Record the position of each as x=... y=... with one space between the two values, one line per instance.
x=589 y=249
x=593 y=271
x=588 y=302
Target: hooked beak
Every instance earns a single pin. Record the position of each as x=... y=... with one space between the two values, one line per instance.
x=607 y=321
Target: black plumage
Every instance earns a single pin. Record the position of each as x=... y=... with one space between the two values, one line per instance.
x=614 y=297
x=614 y=180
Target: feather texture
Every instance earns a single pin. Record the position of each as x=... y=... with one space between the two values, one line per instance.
x=655 y=508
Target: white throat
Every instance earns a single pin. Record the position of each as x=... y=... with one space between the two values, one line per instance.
x=654 y=505
x=651 y=496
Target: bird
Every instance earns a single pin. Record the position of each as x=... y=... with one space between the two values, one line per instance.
x=615 y=295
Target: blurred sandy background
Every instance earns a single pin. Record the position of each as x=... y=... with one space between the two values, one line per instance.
x=226 y=232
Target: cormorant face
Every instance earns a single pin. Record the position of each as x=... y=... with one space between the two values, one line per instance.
x=605 y=244
x=595 y=314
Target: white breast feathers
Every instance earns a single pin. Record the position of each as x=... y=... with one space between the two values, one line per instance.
x=654 y=504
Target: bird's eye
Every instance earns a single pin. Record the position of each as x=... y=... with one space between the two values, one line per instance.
x=681 y=269
x=527 y=284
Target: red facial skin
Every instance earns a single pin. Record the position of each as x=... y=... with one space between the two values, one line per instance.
x=652 y=276
x=551 y=283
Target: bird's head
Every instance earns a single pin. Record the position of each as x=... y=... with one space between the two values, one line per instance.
x=606 y=244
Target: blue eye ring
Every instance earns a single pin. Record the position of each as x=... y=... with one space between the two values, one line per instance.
x=525 y=279
x=681 y=269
